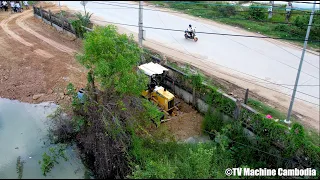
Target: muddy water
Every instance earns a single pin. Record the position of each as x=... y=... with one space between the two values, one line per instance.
x=23 y=131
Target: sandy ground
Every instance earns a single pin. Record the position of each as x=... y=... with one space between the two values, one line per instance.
x=186 y=124
x=36 y=61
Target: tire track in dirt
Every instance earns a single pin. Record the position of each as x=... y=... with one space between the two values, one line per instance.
x=40 y=52
x=4 y=26
x=54 y=44
x=30 y=66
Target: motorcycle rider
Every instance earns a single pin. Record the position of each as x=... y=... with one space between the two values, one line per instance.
x=190 y=31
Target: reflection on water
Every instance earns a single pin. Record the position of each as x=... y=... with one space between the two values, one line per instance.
x=23 y=130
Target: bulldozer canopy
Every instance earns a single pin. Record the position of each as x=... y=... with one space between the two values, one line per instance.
x=152 y=68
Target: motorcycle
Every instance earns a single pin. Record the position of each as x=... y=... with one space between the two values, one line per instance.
x=193 y=35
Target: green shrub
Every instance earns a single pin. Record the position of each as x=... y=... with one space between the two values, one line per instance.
x=78 y=123
x=197 y=164
x=160 y=169
x=227 y=11
x=196 y=80
x=155 y=159
x=213 y=121
x=71 y=91
x=282 y=27
x=83 y=20
x=302 y=21
x=257 y=13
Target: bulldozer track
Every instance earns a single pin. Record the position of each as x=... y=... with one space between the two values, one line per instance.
x=54 y=44
x=4 y=26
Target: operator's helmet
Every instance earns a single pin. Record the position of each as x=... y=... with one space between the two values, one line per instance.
x=189 y=25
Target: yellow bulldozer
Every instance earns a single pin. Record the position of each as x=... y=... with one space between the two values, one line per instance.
x=156 y=93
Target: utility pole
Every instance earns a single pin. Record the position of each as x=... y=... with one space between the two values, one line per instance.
x=270 y=9
x=62 y=21
x=60 y=10
x=140 y=29
x=140 y=24
x=300 y=65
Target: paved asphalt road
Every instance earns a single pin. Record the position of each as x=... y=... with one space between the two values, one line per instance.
x=258 y=57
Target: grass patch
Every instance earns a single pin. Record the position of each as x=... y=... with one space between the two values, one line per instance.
x=265 y=109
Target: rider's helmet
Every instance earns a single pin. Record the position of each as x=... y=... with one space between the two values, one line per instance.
x=189 y=25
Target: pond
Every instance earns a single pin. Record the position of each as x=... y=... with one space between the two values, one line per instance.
x=23 y=131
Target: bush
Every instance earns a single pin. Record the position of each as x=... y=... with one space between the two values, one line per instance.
x=256 y=13
x=213 y=121
x=227 y=10
x=200 y=161
x=83 y=20
x=154 y=159
x=299 y=27
x=155 y=170
x=282 y=27
x=301 y=23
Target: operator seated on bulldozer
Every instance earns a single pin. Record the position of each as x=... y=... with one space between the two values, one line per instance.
x=154 y=92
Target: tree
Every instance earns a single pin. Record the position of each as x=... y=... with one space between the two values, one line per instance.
x=113 y=58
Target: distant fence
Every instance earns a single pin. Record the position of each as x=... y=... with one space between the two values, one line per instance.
x=54 y=20
x=188 y=93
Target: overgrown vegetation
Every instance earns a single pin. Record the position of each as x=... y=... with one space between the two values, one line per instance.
x=264 y=109
x=81 y=22
x=111 y=127
x=257 y=13
x=253 y=140
x=172 y=160
x=292 y=147
x=249 y=17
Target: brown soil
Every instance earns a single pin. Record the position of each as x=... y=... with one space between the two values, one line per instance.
x=186 y=124
x=36 y=59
